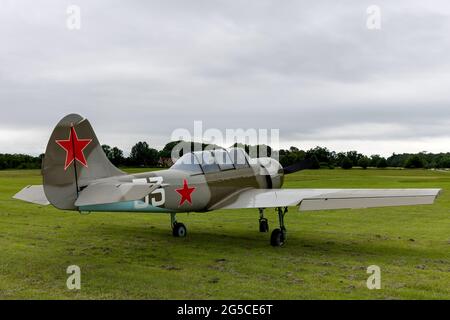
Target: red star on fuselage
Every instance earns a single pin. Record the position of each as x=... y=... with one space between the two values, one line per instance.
x=185 y=193
x=74 y=148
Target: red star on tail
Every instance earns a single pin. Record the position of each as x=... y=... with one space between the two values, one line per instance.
x=185 y=193
x=74 y=148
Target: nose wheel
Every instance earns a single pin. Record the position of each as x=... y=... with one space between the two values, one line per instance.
x=178 y=229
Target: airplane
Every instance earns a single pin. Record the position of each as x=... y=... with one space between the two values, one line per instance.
x=78 y=176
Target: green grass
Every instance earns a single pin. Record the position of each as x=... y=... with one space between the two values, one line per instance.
x=134 y=256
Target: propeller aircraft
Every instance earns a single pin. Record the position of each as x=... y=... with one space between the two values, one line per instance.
x=78 y=176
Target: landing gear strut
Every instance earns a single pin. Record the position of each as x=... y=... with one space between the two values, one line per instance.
x=278 y=237
x=263 y=222
x=178 y=229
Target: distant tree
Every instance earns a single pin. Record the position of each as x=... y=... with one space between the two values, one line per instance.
x=397 y=160
x=142 y=155
x=354 y=156
x=106 y=149
x=291 y=156
x=176 y=149
x=254 y=151
x=364 y=162
x=346 y=163
x=19 y=161
x=258 y=151
x=444 y=162
x=116 y=156
x=382 y=163
x=315 y=164
x=339 y=158
x=374 y=159
x=166 y=152
x=322 y=154
x=415 y=162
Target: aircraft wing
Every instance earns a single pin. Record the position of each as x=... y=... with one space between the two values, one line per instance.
x=327 y=199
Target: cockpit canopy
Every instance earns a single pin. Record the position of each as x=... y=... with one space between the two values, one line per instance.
x=210 y=161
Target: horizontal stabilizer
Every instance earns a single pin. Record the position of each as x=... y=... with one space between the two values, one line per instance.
x=106 y=193
x=33 y=194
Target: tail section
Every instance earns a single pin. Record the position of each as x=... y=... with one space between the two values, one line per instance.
x=73 y=159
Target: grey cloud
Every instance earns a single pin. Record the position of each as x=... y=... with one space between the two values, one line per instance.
x=143 y=68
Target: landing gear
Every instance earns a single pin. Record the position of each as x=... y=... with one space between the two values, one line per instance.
x=263 y=222
x=178 y=229
x=278 y=237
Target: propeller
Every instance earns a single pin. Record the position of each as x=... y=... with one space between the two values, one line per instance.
x=299 y=166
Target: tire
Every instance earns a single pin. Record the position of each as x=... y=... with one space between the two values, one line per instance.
x=179 y=230
x=263 y=225
x=277 y=238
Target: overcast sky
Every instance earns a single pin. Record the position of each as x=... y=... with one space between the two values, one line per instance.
x=140 y=69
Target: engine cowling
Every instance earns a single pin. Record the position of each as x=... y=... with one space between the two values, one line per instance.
x=273 y=172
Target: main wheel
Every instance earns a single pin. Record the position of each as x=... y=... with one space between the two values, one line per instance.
x=179 y=230
x=263 y=225
x=277 y=238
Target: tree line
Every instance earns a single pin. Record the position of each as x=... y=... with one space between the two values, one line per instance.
x=324 y=158
x=19 y=161
x=143 y=155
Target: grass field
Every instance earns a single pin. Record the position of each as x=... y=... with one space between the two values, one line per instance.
x=134 y=256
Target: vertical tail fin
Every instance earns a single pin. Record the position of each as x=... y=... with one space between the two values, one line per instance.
x=73 y=159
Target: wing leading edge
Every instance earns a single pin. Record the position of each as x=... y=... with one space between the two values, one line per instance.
x=327 y=199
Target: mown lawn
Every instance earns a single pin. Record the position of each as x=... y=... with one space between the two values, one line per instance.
x=134 y=256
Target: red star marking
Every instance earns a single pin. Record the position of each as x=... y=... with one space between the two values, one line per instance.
x=185 y=193
x=74 y=148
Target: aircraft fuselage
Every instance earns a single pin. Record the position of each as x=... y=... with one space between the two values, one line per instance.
x=184 y=191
